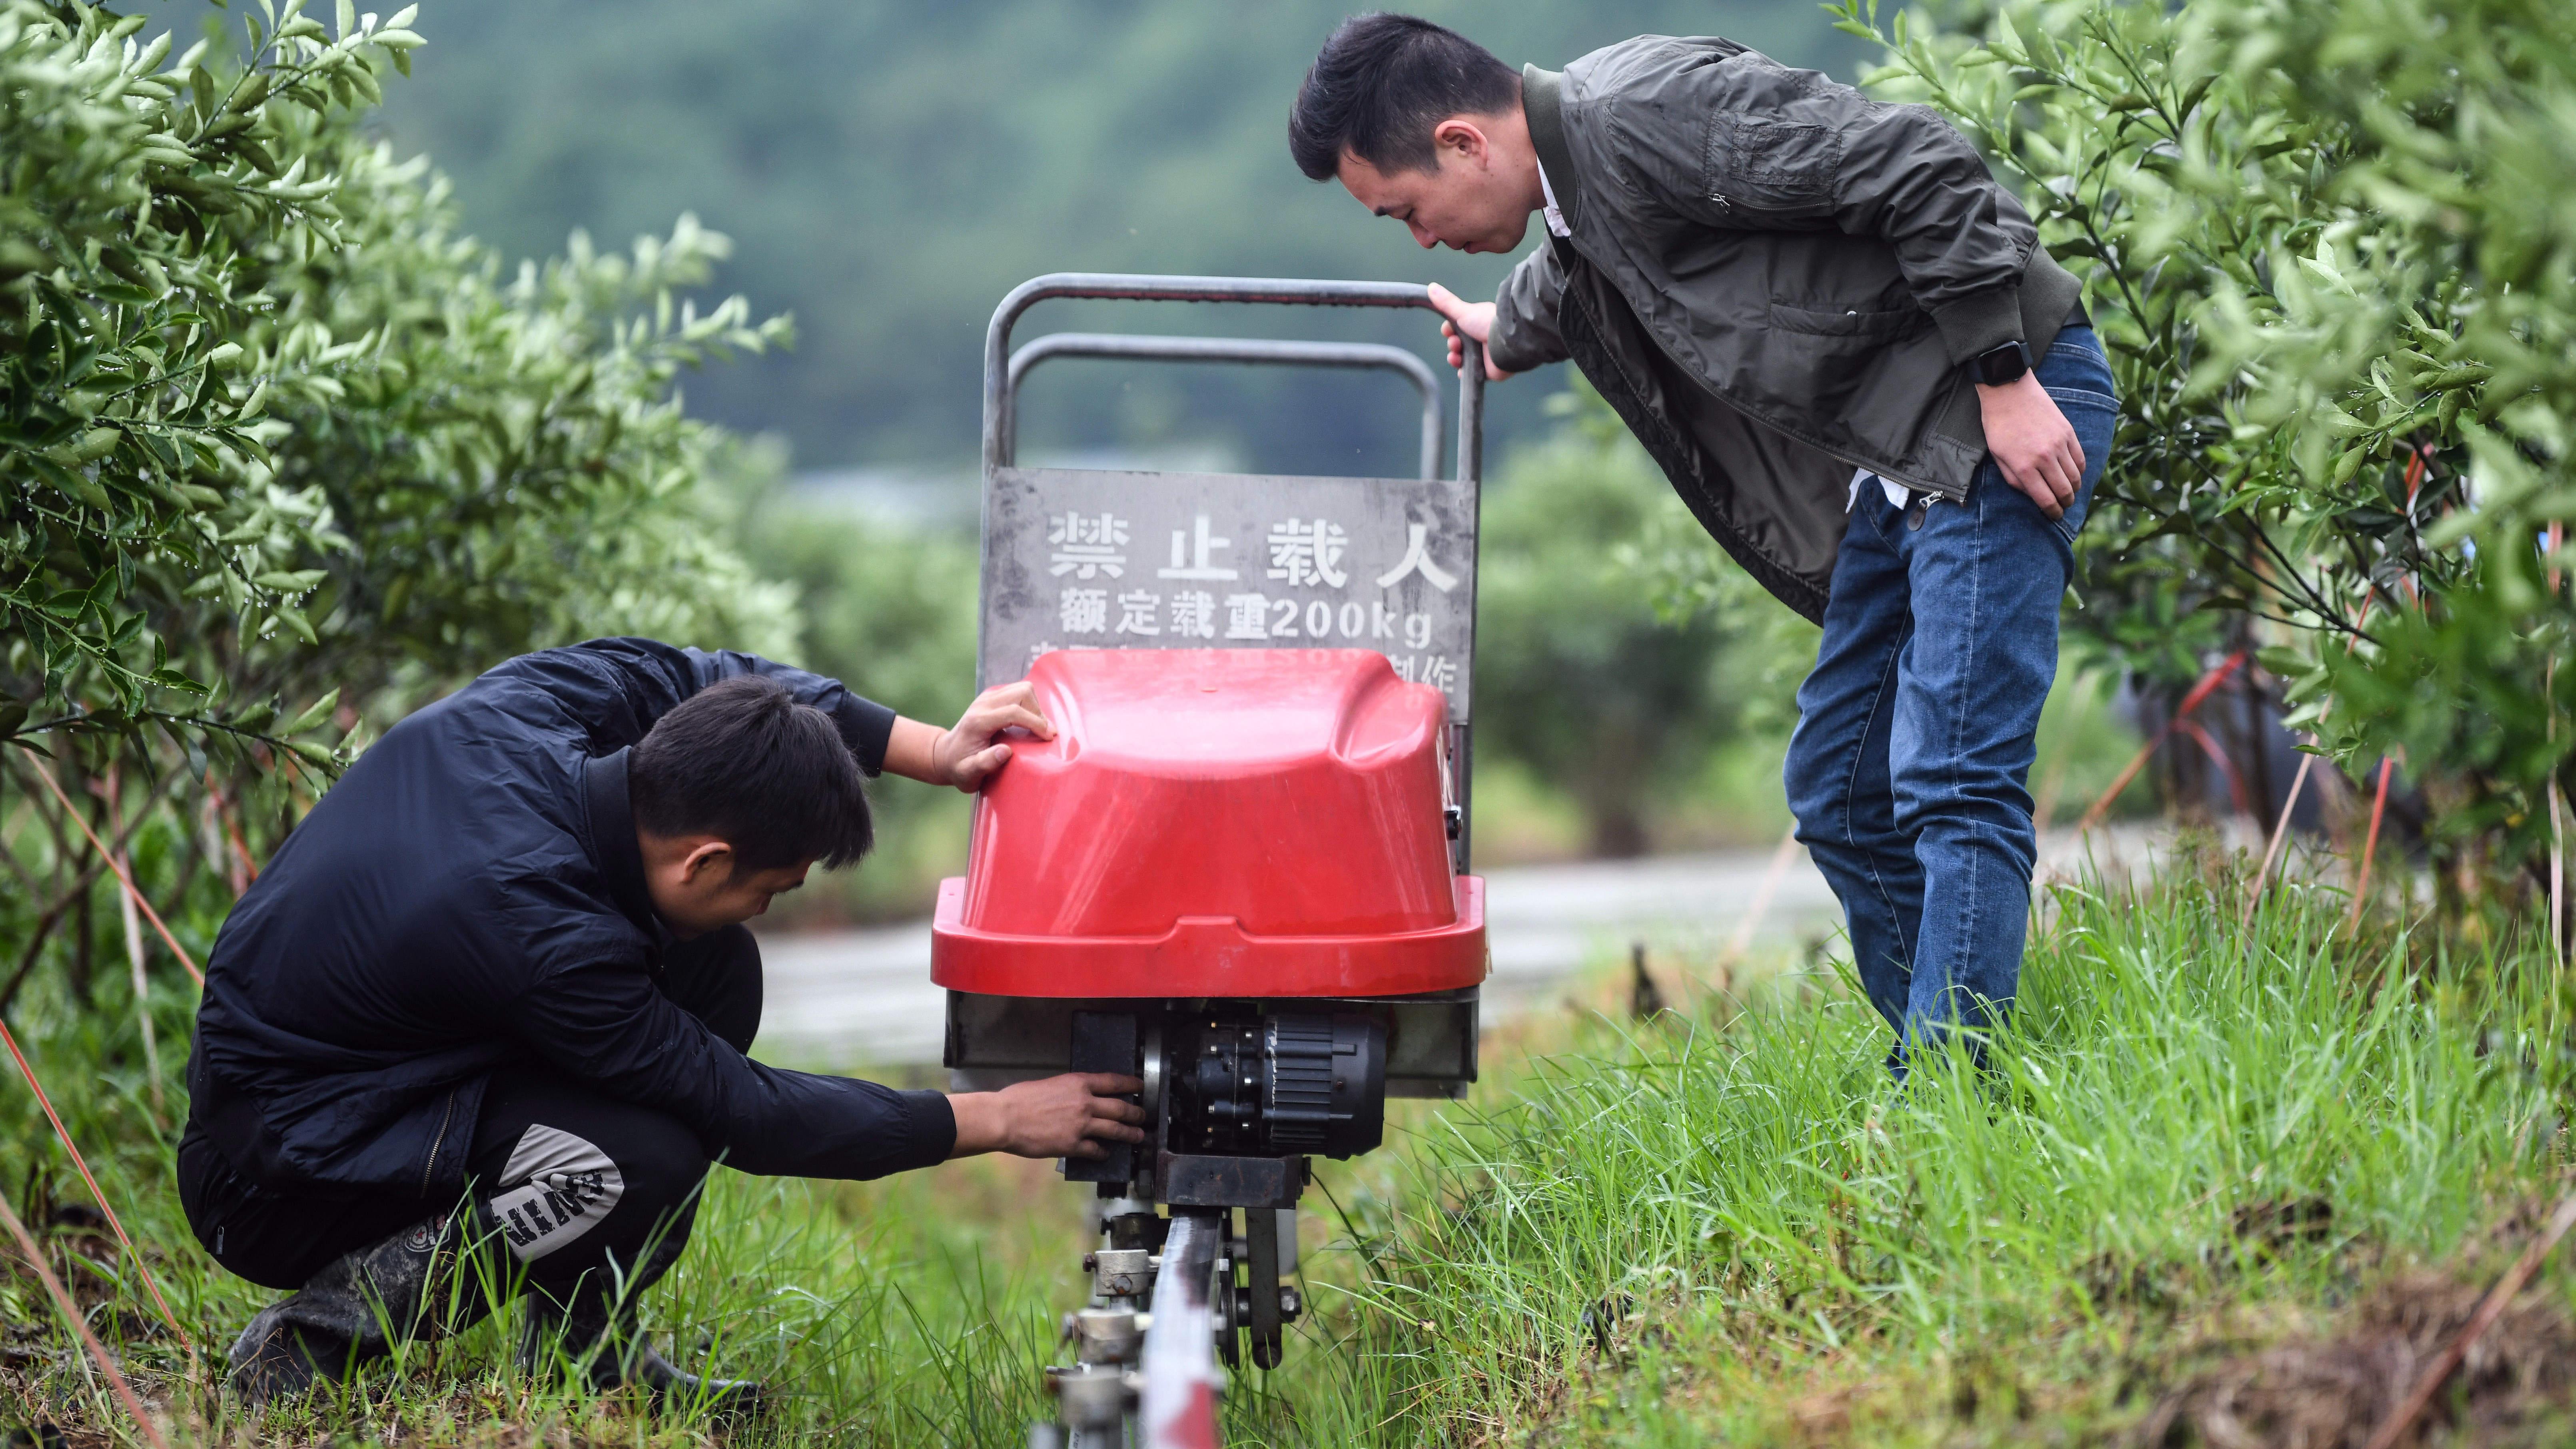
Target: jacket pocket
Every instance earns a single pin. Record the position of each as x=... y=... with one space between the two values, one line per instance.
x=1769 y=165
x=1853 y=322
x=1850 y=380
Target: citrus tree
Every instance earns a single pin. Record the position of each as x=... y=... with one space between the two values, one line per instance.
x=276 y=443
x=2327 y=245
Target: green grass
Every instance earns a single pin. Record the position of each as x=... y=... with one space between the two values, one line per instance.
x=1725 y=1224
x=2182 y=1123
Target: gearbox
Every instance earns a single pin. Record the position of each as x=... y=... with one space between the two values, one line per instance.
x=1280 y=1084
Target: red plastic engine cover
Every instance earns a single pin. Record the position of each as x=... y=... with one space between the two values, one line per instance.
x=1216 y=822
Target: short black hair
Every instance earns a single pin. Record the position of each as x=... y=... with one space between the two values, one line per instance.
x=1381 y=84
x=742 y=761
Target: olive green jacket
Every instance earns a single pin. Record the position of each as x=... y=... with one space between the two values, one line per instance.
x=1774 y=280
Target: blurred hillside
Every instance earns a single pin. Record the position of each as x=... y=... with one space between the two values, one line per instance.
x=888 y=170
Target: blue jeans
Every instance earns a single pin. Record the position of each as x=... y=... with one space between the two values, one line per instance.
x=1908 y=772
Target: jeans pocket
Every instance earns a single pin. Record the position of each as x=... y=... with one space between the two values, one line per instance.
x=2095 y=417
x=2080 y=508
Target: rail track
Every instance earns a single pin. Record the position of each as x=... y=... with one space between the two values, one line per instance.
x=1145 y=1373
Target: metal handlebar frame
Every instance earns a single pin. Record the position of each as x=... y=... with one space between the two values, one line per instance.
x=1228 y=349
x=1003 y=370
x=1001 y=375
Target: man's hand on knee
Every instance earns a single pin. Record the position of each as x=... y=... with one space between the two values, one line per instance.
x=1066 y=1116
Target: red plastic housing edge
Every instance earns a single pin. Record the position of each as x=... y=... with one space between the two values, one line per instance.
x=1216 y=822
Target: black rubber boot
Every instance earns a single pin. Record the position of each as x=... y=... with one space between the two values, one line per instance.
x=356 y=1309
x=606 y=1348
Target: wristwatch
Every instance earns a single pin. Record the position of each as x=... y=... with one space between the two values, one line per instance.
x=2000 y=365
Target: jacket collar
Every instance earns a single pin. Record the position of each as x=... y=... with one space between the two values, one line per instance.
x=1543 y=103
x=613 y=847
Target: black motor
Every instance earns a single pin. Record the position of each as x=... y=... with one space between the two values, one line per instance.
x=1237 y=1100
x=1279 y=1085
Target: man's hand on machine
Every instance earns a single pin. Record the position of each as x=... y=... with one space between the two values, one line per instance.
x=1066 y=1116
x=974 y=751
x=1476 y=319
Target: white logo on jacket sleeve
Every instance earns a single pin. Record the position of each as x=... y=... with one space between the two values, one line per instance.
x=555 y=1188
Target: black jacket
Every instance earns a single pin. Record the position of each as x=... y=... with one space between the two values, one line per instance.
x=470 y=893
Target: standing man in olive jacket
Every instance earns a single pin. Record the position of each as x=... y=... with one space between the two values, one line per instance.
x=1843 y=343
x=488 y=1008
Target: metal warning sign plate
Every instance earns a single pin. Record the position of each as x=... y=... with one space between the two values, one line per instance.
x=1082 y=559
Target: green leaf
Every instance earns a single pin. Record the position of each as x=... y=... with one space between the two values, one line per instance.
x=2036 y=39
x=319 y=711
x=2282 y=663
x=2199 y=90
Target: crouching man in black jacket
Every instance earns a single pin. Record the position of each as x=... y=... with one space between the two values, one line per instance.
x=480 y=1026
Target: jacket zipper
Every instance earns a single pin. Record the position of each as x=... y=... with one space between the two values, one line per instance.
x=1923 y=486
x=429 y=1174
